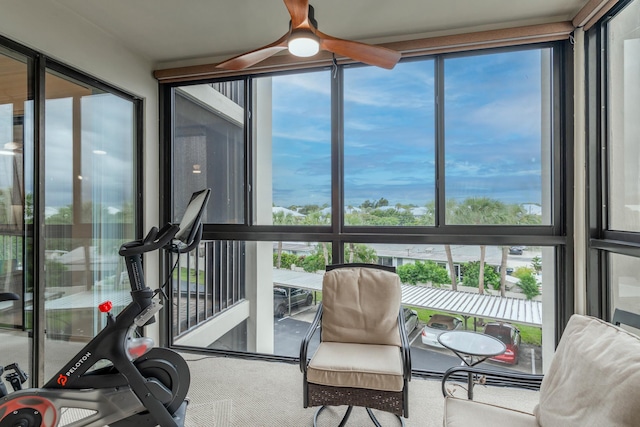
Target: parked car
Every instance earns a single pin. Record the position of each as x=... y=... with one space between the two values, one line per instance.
x=299 y=297
x=437 y=324
x=516 y=250
x=410 y=319
x=510 y=336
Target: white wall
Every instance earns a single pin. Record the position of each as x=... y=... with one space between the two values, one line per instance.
x=51 y=29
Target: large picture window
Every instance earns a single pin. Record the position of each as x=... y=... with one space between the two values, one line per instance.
x=442 y=167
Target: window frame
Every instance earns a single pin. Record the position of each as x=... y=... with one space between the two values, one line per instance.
x=603 y=240
x=559 y=234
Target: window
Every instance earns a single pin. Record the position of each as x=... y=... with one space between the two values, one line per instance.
x=292 y=145
x=208 y=140
x=433 y=170
x=614 y=108
x=90 y=206
x=498 y=138
x=69 y=197
x=623 y=71
x=389 y=145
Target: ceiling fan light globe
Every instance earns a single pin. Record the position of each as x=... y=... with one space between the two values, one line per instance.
x=303 y=44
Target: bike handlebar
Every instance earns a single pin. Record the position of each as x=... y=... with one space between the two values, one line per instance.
x=155 y=239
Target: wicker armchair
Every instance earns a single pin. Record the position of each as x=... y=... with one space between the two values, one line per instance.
x=363 y=357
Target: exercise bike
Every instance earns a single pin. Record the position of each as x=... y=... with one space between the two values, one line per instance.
x=141 y=385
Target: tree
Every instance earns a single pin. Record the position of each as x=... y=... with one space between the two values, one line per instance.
x=472 y=275
x=423 y=272
x=362 y=253
x=452 y=268
x=536 y=263
x=282 y=218
x=481 y=211
x=529 y=286
x=503 y=271
x=286 y=260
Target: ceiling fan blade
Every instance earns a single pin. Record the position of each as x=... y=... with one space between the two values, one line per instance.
x=248 y=59
x=299 y=11
x=369 y=54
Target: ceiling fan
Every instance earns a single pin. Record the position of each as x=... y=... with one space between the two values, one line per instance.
x=304 y=39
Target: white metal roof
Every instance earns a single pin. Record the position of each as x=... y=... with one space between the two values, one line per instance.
x=509 y=309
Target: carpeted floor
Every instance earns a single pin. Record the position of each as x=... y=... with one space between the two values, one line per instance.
x=236 y=392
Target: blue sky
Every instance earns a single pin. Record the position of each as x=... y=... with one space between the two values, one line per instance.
x=492 y=132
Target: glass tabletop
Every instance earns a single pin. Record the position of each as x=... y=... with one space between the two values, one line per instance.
x=472 y=343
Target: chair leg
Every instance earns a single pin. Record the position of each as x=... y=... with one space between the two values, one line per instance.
x=377 y=423
x=343 y=422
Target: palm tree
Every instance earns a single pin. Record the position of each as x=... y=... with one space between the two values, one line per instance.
x=282 y=218
x=452 y=271
x=480 y=211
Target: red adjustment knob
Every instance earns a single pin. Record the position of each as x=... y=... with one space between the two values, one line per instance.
x=105 y=307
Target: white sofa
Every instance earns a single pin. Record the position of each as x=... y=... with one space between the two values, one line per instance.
x=593 y=381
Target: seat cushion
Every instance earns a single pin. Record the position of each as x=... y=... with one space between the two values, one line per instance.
x=593 y=379
x=361 y=305
x=467 y=413
x=370 y=366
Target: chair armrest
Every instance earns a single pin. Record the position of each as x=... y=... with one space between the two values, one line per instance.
x=496 y=378
x=406 y=348
x=315 y=325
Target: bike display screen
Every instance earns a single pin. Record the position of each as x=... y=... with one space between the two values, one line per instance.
x=191 y=218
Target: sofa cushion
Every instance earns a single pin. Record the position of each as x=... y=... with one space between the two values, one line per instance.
x=377 y=367
x=467 y=413
x=593 y=379
x=361 y=305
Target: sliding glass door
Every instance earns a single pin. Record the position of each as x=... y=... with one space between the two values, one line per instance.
x=89 y=200
x=16 y=141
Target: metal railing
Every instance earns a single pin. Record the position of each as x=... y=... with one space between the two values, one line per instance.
x=209 y=280
x=234 y=90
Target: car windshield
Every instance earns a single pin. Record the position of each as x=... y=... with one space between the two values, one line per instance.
x=442 y=326
x=500 y=333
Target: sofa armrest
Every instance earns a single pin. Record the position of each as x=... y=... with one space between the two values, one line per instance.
x=493 y=377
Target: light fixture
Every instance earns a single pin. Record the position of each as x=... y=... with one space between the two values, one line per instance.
x=196 y=169
x=303 y=43
x=99 y=152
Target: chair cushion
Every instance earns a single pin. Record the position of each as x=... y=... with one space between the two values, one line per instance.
x=466 y=413
x=370 y=366
x=361 y=305
x=593 y=379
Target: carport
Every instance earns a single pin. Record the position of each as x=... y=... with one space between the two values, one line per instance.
x=466 y=304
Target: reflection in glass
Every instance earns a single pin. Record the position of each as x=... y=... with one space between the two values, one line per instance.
x=622 y=119
x=625 y=285
x=209 y=149
x=389 y=150
x=497 y=138
x=89 y=210
x=16 y=142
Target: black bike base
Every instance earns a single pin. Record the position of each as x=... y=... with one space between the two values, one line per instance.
x=144 y=419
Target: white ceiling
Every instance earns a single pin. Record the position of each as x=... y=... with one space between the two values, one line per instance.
x=171 y=31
